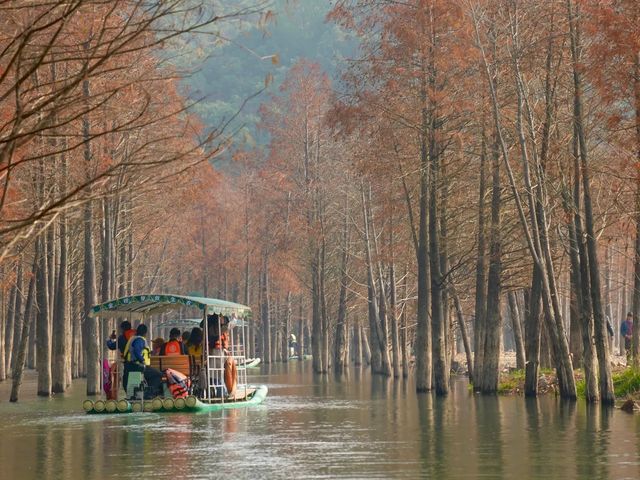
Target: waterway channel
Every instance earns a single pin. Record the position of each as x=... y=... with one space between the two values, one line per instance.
x=312 y=426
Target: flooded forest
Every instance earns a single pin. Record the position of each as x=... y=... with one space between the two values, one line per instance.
x=426 y=189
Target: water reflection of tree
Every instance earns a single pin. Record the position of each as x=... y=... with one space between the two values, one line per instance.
x=592 y=442
x=489 y=436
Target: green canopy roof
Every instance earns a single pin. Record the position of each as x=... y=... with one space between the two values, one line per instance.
x=141 y=306
x=193 y=322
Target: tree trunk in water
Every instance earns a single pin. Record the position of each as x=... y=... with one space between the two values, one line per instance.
x=11 y=309
x=532 y=335
x=90 y=337
x=266 y=313
x=438 y=330
x=287 y=330
x=61 y=324
x=517 y=330
x=341 y=357
x=366 y=350
x=491 y=356
x=24 y=337
x=481 y=281
x=372 y=296
x=14 y=316
x=403 y=329
x=575 y=333
x=463 y=333
x=323 y=311
x=393 y=319
x=316 y=315
x=43 y=327
x=607 y=395
x=635 y=333
x=580 y=286
x=3 y=325
x=357 y=345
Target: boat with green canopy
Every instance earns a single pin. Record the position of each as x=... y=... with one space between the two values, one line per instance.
x=214 y=380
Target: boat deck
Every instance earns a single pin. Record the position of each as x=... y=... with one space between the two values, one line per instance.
x=241 y=394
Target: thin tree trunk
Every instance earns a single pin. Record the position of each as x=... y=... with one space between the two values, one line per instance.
x=491 y=356
x=607 y=395
x=341 y=357
x=422 y=345
x=43 y=339
x=61 y=325
x=15 y=321
x=517 y=330
x=481 y=280
x=24 y=337
x=266 y=313
x=90 y=337
x=13 y=295
x=403 y=327
x=463 y=333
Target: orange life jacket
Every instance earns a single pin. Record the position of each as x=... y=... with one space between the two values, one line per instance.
x=177 y=390
x=129 y=333
x=173 y=347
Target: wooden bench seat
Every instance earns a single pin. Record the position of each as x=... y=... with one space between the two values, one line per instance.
x=181 y=363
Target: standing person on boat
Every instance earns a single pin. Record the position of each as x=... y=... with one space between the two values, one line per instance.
x=215 y=324
x=137 y=359
x=219 y=337
x=174 y=346
x=121 y=342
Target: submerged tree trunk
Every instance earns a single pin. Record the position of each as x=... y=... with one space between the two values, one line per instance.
x=43 y=338
x=607 y=395
x=14 y=317
x=481 y=281
x=493 y=328
x=61 y=324
x=517 y=330
x=266 y=312
x=422 y=345
x=463 y=333
x=341 y=357
x=90 y=337
x=24 y=337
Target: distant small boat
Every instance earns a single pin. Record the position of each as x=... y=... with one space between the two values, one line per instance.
x=251 y=362
x=304 y=357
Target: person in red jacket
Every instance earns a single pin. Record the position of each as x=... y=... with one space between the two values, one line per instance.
x=174 y=346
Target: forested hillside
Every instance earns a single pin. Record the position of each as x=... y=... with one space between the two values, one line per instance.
x=243 y=67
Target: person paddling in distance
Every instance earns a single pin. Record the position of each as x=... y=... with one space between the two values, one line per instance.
x=137 y=359
x=174 y=346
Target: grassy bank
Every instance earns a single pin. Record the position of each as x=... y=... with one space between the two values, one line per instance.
x=626 y=383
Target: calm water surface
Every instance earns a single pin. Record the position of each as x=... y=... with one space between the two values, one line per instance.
x=314 y=427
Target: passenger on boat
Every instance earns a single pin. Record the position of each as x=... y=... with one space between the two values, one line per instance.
x=157 y=344
x=127 y=333
x=194 y=347
x=218 y=327
x=137 y=359
x=185 y=337
x=174 y=346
